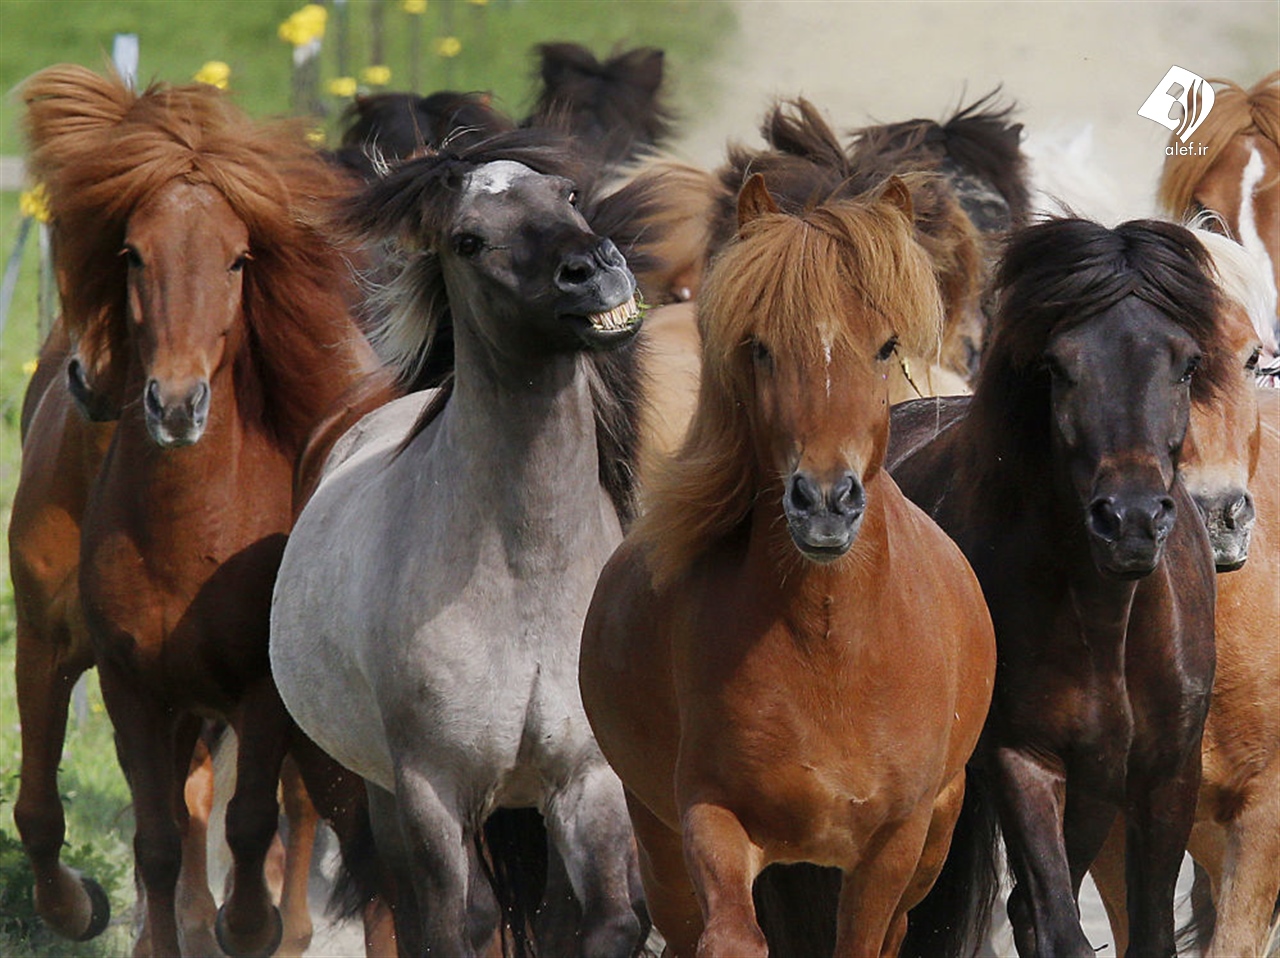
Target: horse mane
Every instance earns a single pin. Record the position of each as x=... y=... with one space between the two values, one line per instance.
x=615 y=106
x=1236 y=111
x=1058 y=274
x=101 y=149
x=1243 y=279
x=409 y=211
x=978 y=140
x=383 y=127
x=833 y=262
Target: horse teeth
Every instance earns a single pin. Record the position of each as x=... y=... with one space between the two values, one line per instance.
x=618 y=318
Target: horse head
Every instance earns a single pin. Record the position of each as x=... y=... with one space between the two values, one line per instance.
x=812 y=320
x=186 y=252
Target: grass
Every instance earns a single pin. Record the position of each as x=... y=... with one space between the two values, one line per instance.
x=176 y=38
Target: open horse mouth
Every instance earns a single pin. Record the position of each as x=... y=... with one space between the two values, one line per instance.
x=612 y=326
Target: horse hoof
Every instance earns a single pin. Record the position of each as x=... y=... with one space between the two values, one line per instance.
x=100 y=906
x=223 y=934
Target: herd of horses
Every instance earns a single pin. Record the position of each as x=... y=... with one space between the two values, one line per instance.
x=605 y=546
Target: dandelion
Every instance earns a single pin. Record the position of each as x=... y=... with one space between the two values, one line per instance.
x=215 y=73
x=415 y=7
x=316 y=137
x=34 y=203
x=377 y=75
x=447 y=47
x=30 y=366
x=304 y=26
x=342 y=86
x=478 y=3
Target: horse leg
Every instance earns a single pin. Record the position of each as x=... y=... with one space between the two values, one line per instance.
x=303 y=819
x=46 y=670
x=1108 y=877
x=669 y=894
x=1031 y=800
x=248 y=923
x=723 y=864
x=145 y=741
x=196 y=908
x=873 y=906
x=384 y=816
x=1159 y=816
x=1250 y=876
x=588 y=824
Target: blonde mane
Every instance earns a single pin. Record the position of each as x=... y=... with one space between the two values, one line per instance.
x=1235 y=112
x=788 y=281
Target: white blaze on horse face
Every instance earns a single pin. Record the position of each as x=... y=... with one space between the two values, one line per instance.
x=1249 y=237
x=496 y=177
x=826 y=356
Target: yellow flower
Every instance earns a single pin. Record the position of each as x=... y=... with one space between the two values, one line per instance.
x=30 y=366
x=316 y=137
x=377 y=75
x=34 y=203
x=447 y=47
x=415 y=7
x=342 y=86
x=478 y=3
x=304 y=25
x=215 y=73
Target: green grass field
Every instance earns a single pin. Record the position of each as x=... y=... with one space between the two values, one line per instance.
x=177 y=37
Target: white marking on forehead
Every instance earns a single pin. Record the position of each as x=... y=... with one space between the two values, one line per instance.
x=826 y=355
x=1249 y=236
x=496 y=177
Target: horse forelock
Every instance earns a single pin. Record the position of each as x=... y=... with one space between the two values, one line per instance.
x=1235 y=112
x=803 y=285
x=99 y=167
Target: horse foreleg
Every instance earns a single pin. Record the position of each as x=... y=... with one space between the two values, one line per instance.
x=302 y=818
x=195 y=904
x=873 y=912
x=1108 y=877
x=669 y=894
x=47 y=667
x=588 y=824
x=1250 y=876
x=145 y=742
x=248 y=923
x=723 y=864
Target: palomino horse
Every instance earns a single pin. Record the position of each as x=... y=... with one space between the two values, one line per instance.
x=786 y=661
x=1233 y=443
x=436 y=585
x=1059 y=483
x=1235 y=173
x=203 y=287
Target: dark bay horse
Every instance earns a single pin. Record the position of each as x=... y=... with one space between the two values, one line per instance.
x=785 y=660
x=196 y=282
x=436 y=582
x=1058 y=480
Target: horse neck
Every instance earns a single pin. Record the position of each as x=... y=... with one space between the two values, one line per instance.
x=522 y=434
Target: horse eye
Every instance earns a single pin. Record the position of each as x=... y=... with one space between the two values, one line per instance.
x=573 y=197
x=1252 y=362
x=1192 y=365
x=240 y=262
x=1056 y=371
x=467 y=244
x=132 y=257
x=760 y=353
x=887 y=349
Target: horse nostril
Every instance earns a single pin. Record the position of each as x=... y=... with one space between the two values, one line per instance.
x=200 y=403
x=151 y=400
x=846 y=496
x=1164 y=514
x=574 y=272
x=803 y=496
x=1105 y=519
x=1239 y=512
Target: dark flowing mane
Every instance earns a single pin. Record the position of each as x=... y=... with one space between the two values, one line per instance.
x=101 y=150
x=410 y=210
x=1236 y=111
x=1062 y=272
x=837 y=260
x=615 y=106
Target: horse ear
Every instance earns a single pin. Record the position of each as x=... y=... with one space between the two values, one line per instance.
x=754 y=201
x=896 y=192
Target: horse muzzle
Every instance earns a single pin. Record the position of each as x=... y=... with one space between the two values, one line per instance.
x=597 y=293
x=1127 y=532
x=1229 y=517
x=823 y=519
x=176 y=417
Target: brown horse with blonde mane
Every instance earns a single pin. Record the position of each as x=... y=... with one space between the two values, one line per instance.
x=1235 y=174
x=786 y=661
x=203 y=297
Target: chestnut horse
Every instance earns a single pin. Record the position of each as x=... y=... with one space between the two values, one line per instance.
x=1229 y=467
x=199 y=283
x=1059 y=483
x=786 y=661
x=1237 y=176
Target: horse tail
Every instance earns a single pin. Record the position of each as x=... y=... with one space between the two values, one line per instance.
x=796 y=908
x=512 y=851
x=956 y=913
x=1197 y=932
